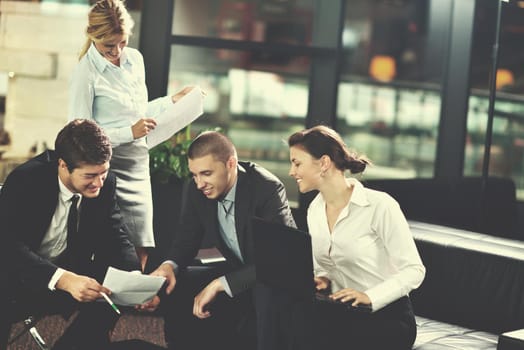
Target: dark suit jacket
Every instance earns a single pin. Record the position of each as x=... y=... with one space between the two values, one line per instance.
x=259 y=193
x=28 y=201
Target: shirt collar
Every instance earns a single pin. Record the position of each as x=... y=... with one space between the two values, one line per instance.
x=359 y=195
x=230 y=196
x=101 y=63
x=65 y=195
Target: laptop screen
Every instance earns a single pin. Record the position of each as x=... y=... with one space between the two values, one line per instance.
x=283 y=258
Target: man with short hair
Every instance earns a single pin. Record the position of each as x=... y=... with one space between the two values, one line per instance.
x=59 y=214
x=216 y=307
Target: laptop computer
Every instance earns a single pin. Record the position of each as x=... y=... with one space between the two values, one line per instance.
x=284 y=261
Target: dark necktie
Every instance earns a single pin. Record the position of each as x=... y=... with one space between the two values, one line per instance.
x=72 y=222
x=227 y=205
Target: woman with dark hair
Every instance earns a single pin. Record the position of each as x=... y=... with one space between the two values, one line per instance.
x=363 y=251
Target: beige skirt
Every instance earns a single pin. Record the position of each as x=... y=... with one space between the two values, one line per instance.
x=130 y=163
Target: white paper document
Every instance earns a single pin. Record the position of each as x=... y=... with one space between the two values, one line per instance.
x=177 y=116
x=131 y=288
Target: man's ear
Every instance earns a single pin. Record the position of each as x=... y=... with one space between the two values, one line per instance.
x=62 y=164
x=231 y=162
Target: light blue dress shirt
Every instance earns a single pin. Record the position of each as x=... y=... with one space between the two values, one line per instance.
x=114 y=96
x=226 y=221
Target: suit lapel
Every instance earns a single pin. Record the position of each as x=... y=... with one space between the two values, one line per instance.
x=242 y=207
x=48 y=199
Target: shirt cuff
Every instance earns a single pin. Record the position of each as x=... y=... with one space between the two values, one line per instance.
x=121 y=135
x=173 y=265
x=223 y=280
x=54 y=280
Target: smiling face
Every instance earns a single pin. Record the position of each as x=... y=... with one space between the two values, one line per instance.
x=304 y=169
x=86 y=179
x=111 y=49
x=213 y=177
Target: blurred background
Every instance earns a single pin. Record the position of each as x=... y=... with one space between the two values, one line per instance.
x=406 y=82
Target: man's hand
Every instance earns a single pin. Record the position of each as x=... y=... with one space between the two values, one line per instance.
x=166 y=270
x=206 y=297
x=82 y=288
x=150 y=305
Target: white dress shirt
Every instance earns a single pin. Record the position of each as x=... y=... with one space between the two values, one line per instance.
x=371 y=248
x=55 y=239
x=114 y=96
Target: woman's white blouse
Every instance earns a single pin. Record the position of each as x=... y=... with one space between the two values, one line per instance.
x=114 y=96
x=371 y=248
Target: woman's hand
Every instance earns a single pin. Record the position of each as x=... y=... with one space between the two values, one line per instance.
x=322 y=283
x=142 y=127
x=349 y=294
x=181 y=93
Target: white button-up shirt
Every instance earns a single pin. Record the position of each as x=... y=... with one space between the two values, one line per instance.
x=114 y=96
x=371 y=248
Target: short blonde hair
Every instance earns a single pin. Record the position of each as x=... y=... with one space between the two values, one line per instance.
x=106 y=19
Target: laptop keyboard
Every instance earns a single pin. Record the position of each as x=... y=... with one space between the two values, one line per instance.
x=323 y=297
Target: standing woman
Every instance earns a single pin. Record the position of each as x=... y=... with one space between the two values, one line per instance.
x=363 y=250
x=108 y=86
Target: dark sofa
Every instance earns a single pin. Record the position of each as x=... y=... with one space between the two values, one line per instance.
x=470 y=203
x=473 y=290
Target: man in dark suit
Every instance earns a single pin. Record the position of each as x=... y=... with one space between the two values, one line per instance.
x=216 y=307
x=60 y=251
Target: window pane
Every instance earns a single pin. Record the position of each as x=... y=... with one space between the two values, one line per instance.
x=256 y=103
x=287 y=22
x=507 y=148
x=388 y=101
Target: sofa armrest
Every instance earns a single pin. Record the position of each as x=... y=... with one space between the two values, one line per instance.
x=513 y=340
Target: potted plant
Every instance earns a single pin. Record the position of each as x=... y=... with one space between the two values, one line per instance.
x=168 y=160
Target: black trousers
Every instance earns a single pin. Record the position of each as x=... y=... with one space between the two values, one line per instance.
x=232 y=324
x=90 y=328
x=392 y=328
x=291 y=323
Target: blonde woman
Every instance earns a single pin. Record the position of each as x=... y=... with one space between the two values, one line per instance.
x=108 y=86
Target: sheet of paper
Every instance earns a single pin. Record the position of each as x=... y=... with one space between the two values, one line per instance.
x=177 y=116
x=209 y=255
x=131 y=288
x=518 y=334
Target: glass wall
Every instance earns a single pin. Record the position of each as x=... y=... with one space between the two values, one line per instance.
x=390 y=76
x=507 y=148
x=388 y=102
x=284 y=22
x=257 y=107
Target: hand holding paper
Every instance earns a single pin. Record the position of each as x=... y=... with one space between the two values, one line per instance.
x=130 y=288
x=176 y=117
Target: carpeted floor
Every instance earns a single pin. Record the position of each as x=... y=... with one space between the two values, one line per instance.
x=132 y=325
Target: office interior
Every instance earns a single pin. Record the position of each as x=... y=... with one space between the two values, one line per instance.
x=419 y=86
x=406 y=82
